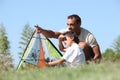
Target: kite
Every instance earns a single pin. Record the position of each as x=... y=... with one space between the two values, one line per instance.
x=39 y=50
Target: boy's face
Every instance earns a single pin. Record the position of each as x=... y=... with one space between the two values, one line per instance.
x=68 y=41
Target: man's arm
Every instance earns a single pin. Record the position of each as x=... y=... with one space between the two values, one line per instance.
x=95 y=47
x=47 y=33
x=50 y=33
x=97 y=53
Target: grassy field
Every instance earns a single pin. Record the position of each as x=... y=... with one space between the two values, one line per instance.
x=104 y=71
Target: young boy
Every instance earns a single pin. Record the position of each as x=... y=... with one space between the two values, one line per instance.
x=73 y=55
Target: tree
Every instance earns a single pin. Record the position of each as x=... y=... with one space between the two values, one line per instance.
x=4 y=43
x=116 y=48
x=25 y=38
x=116 y=45
x=109 y=54
x=114 y=53
x=5 y=57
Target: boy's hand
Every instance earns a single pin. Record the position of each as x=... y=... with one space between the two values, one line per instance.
x=61 y=38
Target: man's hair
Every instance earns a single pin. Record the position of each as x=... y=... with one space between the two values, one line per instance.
x=72 y=34
x=78 y=19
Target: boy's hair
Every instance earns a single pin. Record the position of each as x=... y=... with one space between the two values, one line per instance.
x=72 y=34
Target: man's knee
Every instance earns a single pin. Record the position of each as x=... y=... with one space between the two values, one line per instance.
x=82 y=45
x=89 y=54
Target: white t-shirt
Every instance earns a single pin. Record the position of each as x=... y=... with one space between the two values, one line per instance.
x=74 y=55
x=85 y=36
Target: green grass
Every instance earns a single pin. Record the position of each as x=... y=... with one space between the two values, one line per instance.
x=103 y=71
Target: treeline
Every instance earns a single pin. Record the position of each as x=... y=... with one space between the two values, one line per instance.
x=113 y=54
x=5 y=55
x=6 y=60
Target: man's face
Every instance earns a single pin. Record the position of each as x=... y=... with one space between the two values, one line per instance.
x=71 y=24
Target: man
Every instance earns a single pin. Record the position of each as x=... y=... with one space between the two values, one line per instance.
x=73 y=55
x=87 y=41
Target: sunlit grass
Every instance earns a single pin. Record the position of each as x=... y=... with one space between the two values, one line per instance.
x=103 y=71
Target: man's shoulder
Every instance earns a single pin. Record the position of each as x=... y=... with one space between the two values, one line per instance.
x=63 y=30
x=85 y=31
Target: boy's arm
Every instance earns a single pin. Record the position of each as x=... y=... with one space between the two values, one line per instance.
x=55 y=62
x=60 y=44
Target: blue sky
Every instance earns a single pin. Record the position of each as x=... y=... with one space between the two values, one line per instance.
x=101 y=17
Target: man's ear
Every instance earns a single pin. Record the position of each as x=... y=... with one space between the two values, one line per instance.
x=64 y=39
x=72 y=38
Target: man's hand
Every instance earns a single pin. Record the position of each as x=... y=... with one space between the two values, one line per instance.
x=38 y=29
